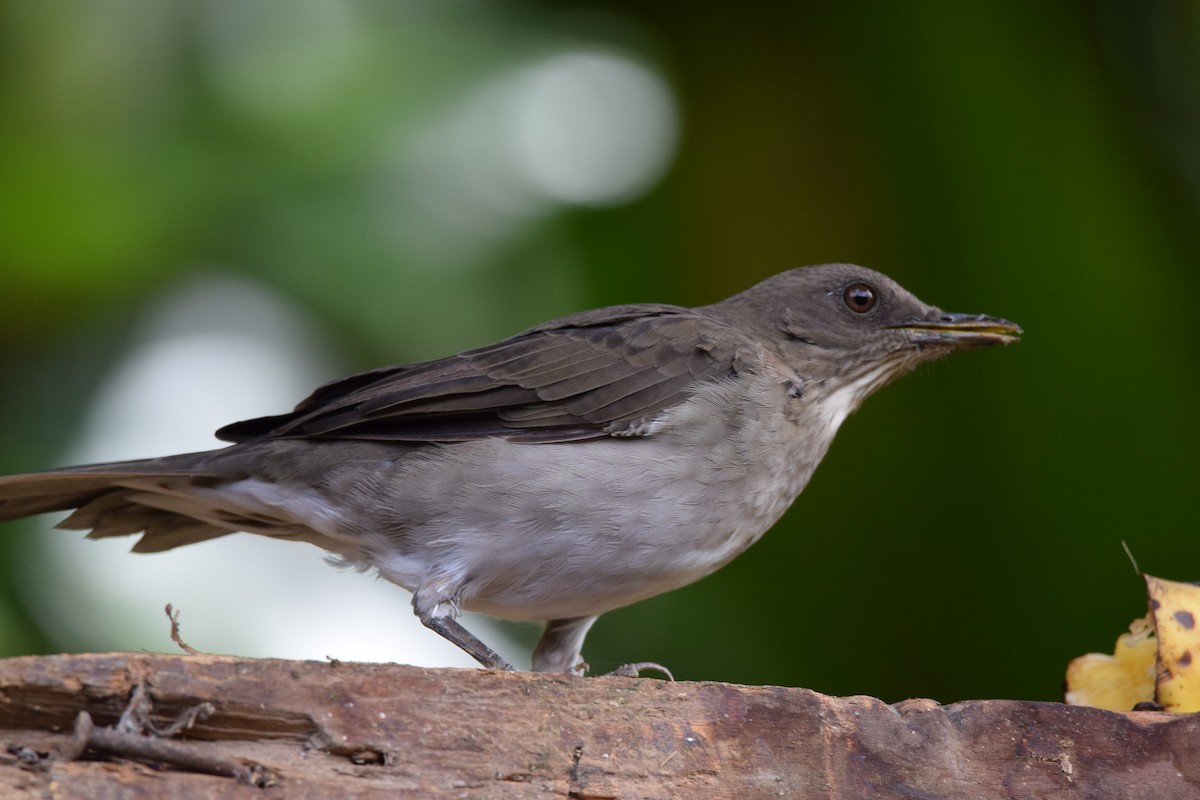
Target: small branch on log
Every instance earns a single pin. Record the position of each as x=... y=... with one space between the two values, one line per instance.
x=173 y=616
x=127 y=744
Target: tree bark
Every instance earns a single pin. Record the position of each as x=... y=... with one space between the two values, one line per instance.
x=289 y=729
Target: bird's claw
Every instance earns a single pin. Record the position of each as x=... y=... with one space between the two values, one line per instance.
x=634 y=670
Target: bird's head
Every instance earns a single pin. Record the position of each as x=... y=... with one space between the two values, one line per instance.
x=852 y=330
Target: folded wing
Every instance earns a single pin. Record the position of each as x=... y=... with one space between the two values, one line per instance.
x=607 y=372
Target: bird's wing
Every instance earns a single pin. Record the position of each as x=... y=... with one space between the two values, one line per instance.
x=600 y=373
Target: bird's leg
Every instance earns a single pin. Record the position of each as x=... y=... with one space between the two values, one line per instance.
x=435 y=602
x=559 y=649
x=468 y=642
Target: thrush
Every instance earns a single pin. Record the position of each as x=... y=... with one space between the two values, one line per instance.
x=585 y=464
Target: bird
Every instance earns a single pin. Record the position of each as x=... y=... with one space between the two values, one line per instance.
x=580 y=466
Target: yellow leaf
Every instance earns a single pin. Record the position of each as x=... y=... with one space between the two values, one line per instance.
x=1175 y=609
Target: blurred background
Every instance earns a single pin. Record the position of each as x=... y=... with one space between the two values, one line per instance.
x=208 y=208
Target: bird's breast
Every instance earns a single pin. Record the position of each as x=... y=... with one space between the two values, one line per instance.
x=547 y=531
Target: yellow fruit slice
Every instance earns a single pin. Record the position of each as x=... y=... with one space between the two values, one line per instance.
x=1120 y=681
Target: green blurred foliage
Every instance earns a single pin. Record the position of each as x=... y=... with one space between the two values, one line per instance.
x=1037 y=161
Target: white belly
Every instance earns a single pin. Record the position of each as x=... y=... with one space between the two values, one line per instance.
x=550 y=531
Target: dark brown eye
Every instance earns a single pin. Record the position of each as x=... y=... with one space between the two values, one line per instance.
x=859 y=297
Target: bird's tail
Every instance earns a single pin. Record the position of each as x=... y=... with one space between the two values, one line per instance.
x=117 y=499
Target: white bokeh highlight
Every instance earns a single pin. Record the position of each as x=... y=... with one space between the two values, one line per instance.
x=577 y=128
x=593 y=128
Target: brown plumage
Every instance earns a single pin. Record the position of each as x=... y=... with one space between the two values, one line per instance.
x=582 y=465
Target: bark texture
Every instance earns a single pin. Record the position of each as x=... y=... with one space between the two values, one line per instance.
x=288 y=729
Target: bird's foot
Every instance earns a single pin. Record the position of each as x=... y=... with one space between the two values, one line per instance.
x=634 y=670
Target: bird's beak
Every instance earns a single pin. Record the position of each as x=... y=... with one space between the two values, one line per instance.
x=961 y=330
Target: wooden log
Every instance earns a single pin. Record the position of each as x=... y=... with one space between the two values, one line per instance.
x=339 y=730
